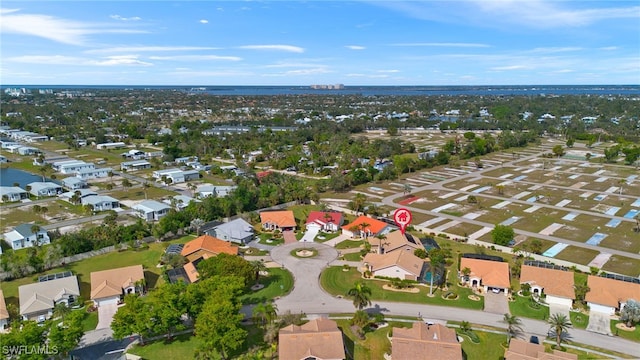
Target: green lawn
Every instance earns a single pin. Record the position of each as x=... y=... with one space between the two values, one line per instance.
x=375 y=344
x=522 y=307
x=90 y=320
x=579 y=320
x=278 y=283
x=353 y=257
x=148 y=258
x=337 y=282
x=488 y=348
x=182 y=347
x=349 y=244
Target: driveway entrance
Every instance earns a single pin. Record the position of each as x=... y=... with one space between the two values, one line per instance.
x=599 y=323
x=105 y=315
x=496 y=303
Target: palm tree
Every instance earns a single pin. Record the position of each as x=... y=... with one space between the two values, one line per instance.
x=560 y=326
x=265 y=313
x=436 y=260
x=35 y=229
x=361 y=294
x=363 y=226
x=258 y=266
x=61 y=310
x=514 y=326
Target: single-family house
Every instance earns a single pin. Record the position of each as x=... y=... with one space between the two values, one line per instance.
x=108 y=287
x=609 y=295
x=328 y=221
x=394 y=240
x=207 y=246
x=205 y=190
x=556 y=284
x=110 y=145
x=318 y=339
x=12 y=193
x=237 y=231
x=365 y=226
x=101 y=202
x=135 y=165
x=523 y=350
x=425 y=341
x=38 y=300
x=46 y=188
x=72 y=166
x=28 y=150
x=486 y=274
x=26 y=235
x=282 y=220
x=180 y=202
x=401 y=264
x=4 y=314
x=95 y=173
x=74 y=183
x=151 y=210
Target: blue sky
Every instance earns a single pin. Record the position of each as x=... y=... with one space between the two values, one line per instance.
x=480 y=42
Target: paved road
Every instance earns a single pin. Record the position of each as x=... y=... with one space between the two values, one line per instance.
x=308 y=297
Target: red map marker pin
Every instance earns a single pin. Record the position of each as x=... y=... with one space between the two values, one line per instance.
x=402 y=217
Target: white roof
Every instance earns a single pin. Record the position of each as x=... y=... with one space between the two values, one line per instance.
x=151 y=205
x=98 y=199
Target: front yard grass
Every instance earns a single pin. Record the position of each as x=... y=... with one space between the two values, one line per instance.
x=375 y=344
x=181 y=347
x=487 y=348
x=337 y=282
x=349 y=244
x=279 y=282
x=522 y=307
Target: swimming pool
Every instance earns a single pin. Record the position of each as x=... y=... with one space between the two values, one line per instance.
x=555 y=249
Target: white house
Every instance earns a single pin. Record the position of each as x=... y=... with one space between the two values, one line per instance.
x=205 y=190
x=28 y=150
x=46 y=188
x=38 y=300
x=71 y=166
x=180 y=201
x=93 y=173
x=111 y=145
x=82 y=193
x=23 y=236
x=175 y=175
x=151 y=210
x=12 y=193
x=101 y=202
x=135 y=165
x=237 y=231
x=74 y=183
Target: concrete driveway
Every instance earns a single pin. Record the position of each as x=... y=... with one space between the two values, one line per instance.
x=496 y=303
x=105 y=315
x=310 y=234
x=599 y=323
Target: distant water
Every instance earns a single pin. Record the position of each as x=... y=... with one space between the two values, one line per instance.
x=519 y=90
x=8 y=176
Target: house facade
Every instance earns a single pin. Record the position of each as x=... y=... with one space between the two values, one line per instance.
x=44 y=188
x=609 y=295
x=74 y=183
x=12 y=194
x=282 y=220
x=398 y=264
x=101 y=202
x=151 y=210
x=364 y=227
x=38 y=300
x=93 y=173
x=557 y=285
x=238 y=231
x=25 y=236
x=108 y=287
x=135 y=165
x=328 y=221
x=486 y=275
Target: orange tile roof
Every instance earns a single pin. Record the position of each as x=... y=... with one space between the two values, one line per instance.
x=523 y=350
x=210 y=244
x=401 y=258
x=111 y=282
x=319 y=338
x=4 y=314
x=424 y=341
x=374 y=226
x=492 y=273
x=610 y=292
x=191 y=271
x=282 y=218
x=554 y=282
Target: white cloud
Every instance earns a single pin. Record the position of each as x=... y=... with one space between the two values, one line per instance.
x=286 y=48
x=53 y=28
x=196 y=58
x=133 y=49
x=79 y=61
x=204 y=21
x=355 y=47
x=293 y=65
x=551 y=50
x=510 y=67
x=435 y=44
x=118 y=17
x=388 y=71
x=609 y=48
